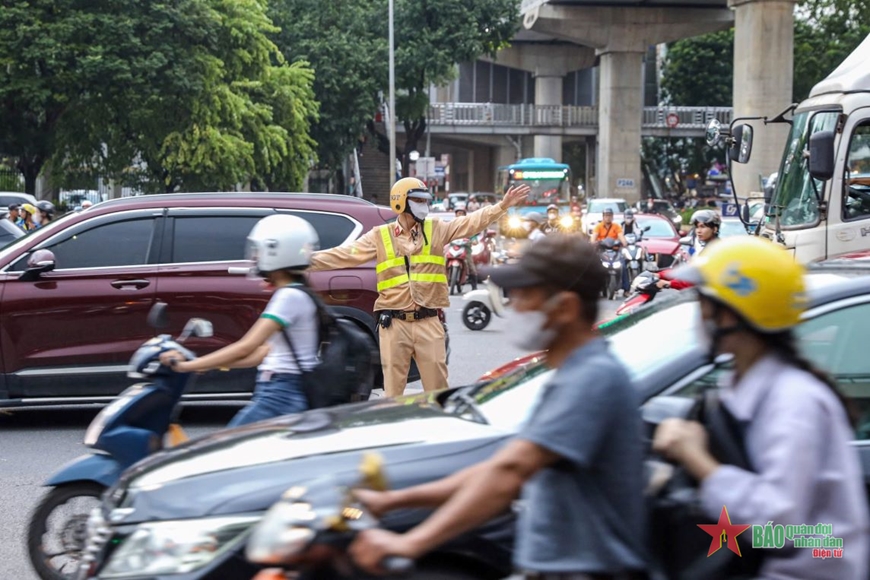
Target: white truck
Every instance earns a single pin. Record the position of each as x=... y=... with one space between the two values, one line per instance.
x=820 y=206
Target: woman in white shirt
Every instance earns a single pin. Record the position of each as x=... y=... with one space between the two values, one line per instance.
x=280 y=249
x=798 y=433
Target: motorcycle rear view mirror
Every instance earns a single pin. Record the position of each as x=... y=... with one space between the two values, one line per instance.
x=198 y=327
x=646 y=228
x=158 y=317
x=821 y=155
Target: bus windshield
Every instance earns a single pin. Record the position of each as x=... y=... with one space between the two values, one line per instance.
x=550 y=181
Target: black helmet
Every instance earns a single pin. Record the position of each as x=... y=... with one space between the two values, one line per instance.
x=45 y=207
x=607 y=210
x=707 y=217
x=629 y=214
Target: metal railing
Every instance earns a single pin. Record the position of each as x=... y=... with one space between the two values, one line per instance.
x=490 y=114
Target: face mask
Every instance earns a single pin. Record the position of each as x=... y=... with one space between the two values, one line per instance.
x=36 y=218
x=528 y=329
x=527 y=226
x=419 y=209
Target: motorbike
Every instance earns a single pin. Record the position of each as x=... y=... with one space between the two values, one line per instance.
x=140 y=421
x=633 y=255
x=306 y=534
x=643 y=289
x=482 y=303
x=483 y=248
x=457 y=272
x=611 y=259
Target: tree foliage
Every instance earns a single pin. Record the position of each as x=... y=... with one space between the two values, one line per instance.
x=698 y=71
x=343 y=42
x=432 y=36
x=190 y=94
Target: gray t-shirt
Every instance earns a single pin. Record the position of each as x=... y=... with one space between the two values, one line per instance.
x=586 y=512
x=296 y=312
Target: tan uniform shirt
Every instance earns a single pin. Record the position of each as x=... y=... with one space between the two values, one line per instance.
x=407 y=243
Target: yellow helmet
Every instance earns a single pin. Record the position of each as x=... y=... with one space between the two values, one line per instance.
x=404 y=188
x=759 y=280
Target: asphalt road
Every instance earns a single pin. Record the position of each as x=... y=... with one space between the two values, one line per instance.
x=35 y=442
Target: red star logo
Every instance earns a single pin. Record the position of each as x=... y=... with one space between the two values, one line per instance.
x=724 y=530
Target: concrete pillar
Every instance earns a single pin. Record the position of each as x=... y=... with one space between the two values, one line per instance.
x=620 y=112
x=763 y=66
x=591 y=152
x=548 y=91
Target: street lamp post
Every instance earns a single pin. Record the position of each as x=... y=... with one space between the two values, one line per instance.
x=392 y=105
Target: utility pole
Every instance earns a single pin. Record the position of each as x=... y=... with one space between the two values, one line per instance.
x=391 y=114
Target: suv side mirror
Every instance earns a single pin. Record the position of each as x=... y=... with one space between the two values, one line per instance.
x=821 y=151
x=39 y=263
x=741 y=143
x=157 y=316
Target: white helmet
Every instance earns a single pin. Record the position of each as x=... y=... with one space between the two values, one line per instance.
x=281 y=242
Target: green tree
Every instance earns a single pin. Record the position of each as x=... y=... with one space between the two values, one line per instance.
x=342 y=41
x=432 y=36
x=698 y=71
x=192 y=91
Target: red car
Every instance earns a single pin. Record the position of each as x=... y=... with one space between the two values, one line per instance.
x=661 y=241
x=68 y=328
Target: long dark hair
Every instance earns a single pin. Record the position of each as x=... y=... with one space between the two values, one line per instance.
x=784 y=344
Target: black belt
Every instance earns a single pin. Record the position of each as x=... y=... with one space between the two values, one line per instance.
x=413 y=314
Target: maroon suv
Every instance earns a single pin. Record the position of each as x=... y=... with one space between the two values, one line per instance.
x=67 y=332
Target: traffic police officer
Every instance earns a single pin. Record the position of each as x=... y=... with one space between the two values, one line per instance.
x=412 y=279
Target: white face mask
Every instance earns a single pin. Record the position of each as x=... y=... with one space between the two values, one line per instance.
x=528 y=332
x=704 y=331
x=37 y=219
x=419 y=209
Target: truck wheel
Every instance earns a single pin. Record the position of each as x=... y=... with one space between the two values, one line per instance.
x=57 y=531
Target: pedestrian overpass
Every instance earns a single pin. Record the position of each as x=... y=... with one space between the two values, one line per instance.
x=499 y=119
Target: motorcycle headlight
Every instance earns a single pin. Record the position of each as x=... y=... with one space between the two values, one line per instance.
x=566 y=221
x=617 y=265
x=175 y=547
x=515 y=222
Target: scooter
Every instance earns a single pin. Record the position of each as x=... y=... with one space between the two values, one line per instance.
x=643 y=289
x=457 y=272
x=130 y=428
x=483 y=248
x=611 y=259
x=306 y=534
x=634 y=256
x=481 y=305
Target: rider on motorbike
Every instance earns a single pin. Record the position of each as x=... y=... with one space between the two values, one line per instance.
x=629 y=223
x=533 y=223
x=469 y=258
x=705 y=224
x=552 y=226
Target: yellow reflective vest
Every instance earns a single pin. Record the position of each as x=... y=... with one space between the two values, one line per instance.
x=428 y=267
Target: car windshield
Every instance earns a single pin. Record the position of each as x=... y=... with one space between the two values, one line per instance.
x=794 y=198
x=731 y=228
x=657 y=228
x=507 y=407
x=599 y=205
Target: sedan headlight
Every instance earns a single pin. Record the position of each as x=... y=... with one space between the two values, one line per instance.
x=175 y=547
x=566 y=221
x=515 y=222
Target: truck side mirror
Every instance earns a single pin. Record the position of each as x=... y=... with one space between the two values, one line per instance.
x=821 y=151
x=744 y=211
x=741 y=143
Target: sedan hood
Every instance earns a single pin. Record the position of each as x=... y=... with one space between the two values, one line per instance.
x=245 y=470
x=319 y=432
x=660 y=246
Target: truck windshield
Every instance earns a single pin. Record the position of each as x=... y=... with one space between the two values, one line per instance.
x=794 y=197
